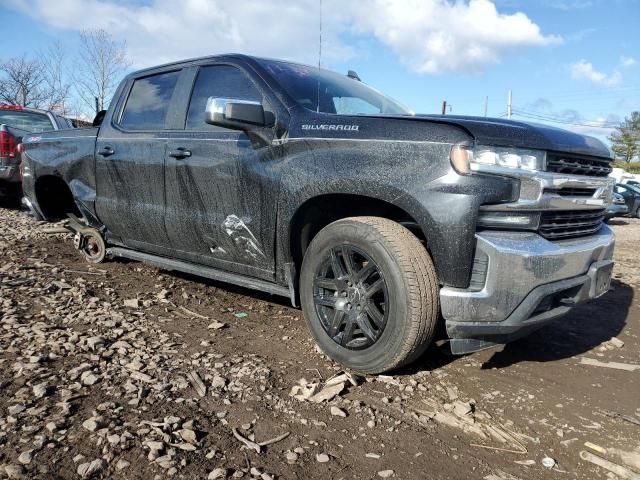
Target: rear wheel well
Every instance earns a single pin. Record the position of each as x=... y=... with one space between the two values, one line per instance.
x=54 y=198
x=318 y=212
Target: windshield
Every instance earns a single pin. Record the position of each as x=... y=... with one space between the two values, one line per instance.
x=29 y=121
x=328 y=92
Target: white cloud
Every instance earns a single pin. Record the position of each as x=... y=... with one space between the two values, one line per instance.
x=429 y=36
x=583 y=70
x=164 y=30
x=436 y=36
x=627 y=61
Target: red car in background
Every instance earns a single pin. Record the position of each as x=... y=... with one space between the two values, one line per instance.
x=15 y=122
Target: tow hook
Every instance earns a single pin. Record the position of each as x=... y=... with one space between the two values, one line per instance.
x=88 y=240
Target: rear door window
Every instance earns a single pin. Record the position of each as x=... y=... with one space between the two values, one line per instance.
x=222 y=81
x=148 y=102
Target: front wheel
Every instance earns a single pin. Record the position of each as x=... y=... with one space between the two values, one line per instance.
x=369 y=293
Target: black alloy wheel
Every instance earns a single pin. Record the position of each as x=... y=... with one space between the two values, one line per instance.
x=351 y=297
x=369 y=293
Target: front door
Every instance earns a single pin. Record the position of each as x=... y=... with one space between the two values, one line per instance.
x=130 y=156
x=220 y=203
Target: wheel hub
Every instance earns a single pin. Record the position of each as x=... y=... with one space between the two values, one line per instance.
x=355 y=294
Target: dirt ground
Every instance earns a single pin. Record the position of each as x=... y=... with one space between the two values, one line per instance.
x=125 y=371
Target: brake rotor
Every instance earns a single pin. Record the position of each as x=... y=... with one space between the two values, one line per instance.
x=94 y=249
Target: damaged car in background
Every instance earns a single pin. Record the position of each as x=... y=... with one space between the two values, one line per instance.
x=305 y=183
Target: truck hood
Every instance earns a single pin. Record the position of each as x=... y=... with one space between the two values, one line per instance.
x=509 y=133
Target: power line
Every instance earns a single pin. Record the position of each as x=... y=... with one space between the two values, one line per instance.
x=562 y=119
x=604 y=125
x=319 y=56
x=533 y=116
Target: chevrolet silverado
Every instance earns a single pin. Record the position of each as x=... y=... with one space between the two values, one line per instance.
x=305 y=183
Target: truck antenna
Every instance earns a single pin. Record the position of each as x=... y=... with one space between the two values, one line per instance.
x=319 y=59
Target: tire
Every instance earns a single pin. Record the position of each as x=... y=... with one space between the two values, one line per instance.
x=405 y=292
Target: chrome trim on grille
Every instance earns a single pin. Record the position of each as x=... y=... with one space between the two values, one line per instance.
x=587 y=166
x=561 y=194
x=540 y=191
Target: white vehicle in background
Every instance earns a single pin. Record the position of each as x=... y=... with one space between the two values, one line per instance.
x=622 y=176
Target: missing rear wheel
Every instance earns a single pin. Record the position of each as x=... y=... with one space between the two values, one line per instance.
x=93 y=247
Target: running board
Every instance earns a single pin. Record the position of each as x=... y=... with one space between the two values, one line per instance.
x=201 y=271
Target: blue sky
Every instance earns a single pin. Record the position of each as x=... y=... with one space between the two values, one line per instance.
x=576 y=61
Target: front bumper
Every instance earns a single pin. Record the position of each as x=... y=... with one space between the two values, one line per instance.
x=529 y=281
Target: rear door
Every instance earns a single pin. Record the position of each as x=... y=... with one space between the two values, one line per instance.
x=221 y=201
x=130 y=155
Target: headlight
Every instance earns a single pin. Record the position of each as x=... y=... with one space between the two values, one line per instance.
x=482 y=158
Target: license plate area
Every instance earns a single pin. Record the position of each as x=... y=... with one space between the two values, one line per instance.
x=600 y=278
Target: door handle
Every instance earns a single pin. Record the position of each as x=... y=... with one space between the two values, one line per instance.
x=106 y=152
x=180 y=153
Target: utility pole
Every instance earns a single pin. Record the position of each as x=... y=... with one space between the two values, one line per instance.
x=509 y=105
x=486 y=105
x=444 y=107
x=319 y=57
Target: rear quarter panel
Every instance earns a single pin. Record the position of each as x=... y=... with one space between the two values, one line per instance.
x=67 y=154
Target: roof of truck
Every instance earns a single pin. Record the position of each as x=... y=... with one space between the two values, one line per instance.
x=196 y=60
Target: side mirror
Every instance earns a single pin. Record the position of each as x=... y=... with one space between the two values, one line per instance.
x=97 y=121
x=236 y=114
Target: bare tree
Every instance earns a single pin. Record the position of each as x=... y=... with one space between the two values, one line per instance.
x=102 y=61
x=39 y=83
x=56 y=78
x=22 y=82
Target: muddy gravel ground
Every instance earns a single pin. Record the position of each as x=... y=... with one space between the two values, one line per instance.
x=122 y=370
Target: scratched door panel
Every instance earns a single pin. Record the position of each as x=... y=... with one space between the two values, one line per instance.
x=220 y=209
x=130 y=193
x=220 y=203
x=130 y=155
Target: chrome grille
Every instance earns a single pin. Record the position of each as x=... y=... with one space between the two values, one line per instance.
x=559 y=225
x=592 y=167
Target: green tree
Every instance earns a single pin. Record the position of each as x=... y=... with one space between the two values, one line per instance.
x=625 y=140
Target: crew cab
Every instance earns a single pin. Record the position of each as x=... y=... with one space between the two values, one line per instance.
x=309 y=184
x=15 y=122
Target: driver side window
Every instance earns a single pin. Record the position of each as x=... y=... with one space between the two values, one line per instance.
x=222 y=81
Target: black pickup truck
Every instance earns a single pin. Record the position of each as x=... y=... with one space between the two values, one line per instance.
x=306 y=183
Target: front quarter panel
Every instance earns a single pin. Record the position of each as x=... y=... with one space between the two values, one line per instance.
x=397 y=161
